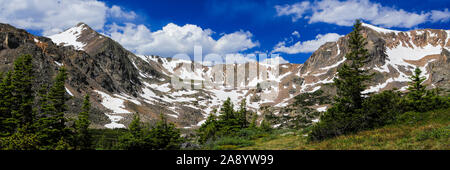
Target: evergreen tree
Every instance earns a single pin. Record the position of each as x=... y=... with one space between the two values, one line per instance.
x=350 y=80
x=46 y=122
x=227 y=112
x=419 y=99
x=51 y=128
x=20 y=140
x=228 y=118
x=258 y=88
x=135 y=126
x=22 y=84
x=416 y=91
x=347 y=113
x=242 y=114
x=7 y=121
x=208 y=130
x=253 y=122
x=84 y=138
x=165 y=135
x=57 y=96
x=133 y=139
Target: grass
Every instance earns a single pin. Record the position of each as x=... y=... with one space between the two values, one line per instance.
x=415 y=131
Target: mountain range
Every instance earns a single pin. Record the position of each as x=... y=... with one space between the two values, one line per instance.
x=121 y=83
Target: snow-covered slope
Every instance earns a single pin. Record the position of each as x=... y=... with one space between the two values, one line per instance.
x=394 y=55
x=70 y=37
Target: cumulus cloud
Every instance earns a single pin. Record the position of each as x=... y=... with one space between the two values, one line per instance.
x=296 y=10
x=173 y=39
x=306 y=46
x=117 y=12
x=51 y=16
x=344 y=13
x=442 y=16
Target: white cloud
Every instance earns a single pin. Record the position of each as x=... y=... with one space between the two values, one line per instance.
x=50 y=16
x=277 y=59
x=296 y=34
x=297 y=9
x=117 y=12
x=442 y=16
x=306 y=46
x=344 y=13
x=173 y=39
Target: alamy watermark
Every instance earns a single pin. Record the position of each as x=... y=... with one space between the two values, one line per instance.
x=229 y=71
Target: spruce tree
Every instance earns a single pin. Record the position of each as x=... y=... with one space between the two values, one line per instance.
x=50 y=125
x=134 y=139
x=228 y=119
x=347 y=115
x=227 y=112
x=242 y=114
x=416 y=88
x=23 y=97
x=350 y=80
x=7 y=122
x=418 y=98
x=46 y=122
x=135 y=127
x=57 y=96
x=165 y=135
x=208 y=130
x=84 y=138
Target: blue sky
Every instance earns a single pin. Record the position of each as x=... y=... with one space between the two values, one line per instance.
x=291 y=28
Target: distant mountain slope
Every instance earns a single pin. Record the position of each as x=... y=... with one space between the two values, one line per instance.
x=122 y=83
x=394 y=55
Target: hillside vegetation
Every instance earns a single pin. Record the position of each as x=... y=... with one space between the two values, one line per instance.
x=417 y=131
x=391 y=119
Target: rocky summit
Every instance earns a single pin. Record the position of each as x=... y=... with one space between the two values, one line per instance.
x=121 y=83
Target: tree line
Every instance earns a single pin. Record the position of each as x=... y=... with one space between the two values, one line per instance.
x=32 y=120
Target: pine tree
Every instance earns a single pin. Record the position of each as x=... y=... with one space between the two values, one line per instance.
x=57 y=96
x=165 y=135
x=416 y=88
x=227 y=112
x=23 y=97
x=418 y=98
x=253 y=122
x=134 y=138
x=242 y=114
x=7 y=122
x=347 y=113
x=46 y=122
x=50 y=125
x=208 y=130
x=350 y=80
x=135 y=126
x=84 y=138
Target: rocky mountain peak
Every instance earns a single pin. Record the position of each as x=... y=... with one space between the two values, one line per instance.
x=121 y=82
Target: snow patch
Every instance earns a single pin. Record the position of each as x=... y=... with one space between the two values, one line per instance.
x=322 y=109
x=112 y=103
x=68 y=91
x=378 y=29
x=69 y=37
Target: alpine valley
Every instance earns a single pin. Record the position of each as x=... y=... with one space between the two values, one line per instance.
x=121 y=83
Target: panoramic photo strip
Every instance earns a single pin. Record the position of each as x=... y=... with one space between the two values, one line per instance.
x=224 y=83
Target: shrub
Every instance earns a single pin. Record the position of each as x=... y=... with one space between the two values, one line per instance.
x=381 y=109
x=439 y=133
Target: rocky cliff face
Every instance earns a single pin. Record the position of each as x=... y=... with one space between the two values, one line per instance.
x=122 y=83
x=394 y=55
